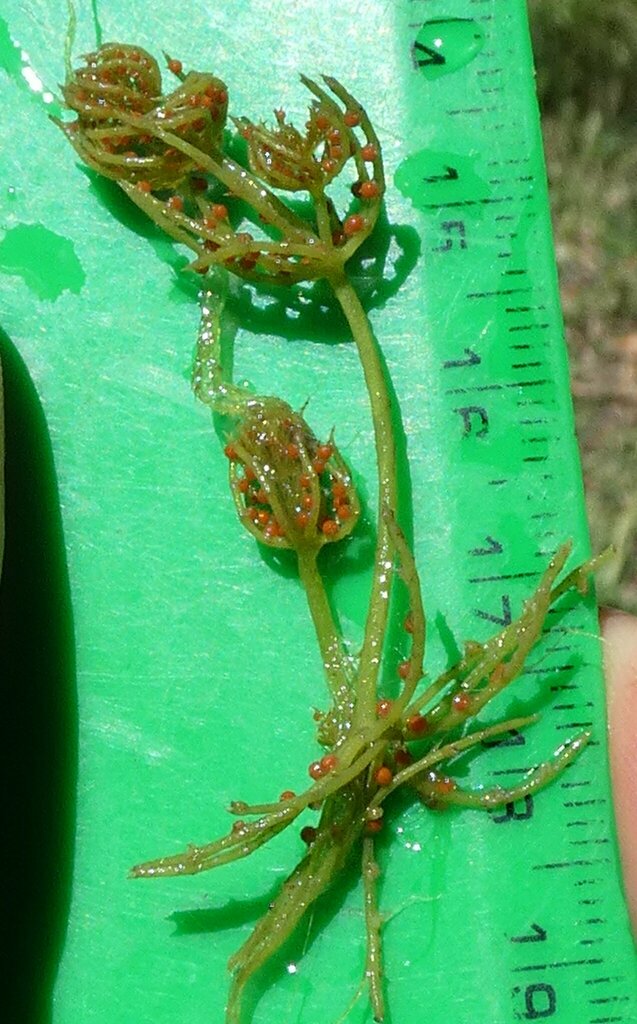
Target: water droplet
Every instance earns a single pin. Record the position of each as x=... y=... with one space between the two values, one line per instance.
x=444 y=45
x=17 y=63
x=46 y=262
x=431 y=176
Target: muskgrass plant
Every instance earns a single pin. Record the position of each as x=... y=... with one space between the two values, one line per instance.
x=171 y=154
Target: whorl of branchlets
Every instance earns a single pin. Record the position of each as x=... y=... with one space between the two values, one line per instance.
x=117 y=96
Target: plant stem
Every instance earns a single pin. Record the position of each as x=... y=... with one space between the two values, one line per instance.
x=335 y=660
x=385 y=441
x=374 y=959
x=322 y=218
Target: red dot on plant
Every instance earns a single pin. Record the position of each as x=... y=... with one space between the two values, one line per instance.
x=144 y=186
x=324 y=451
x=219 y=211
x=353 y=224
x=417 y=724
x=315 y=770
x=444 y=785
x=383 y=707
x=329 y=763
x=369 y=152
x=374 y=826
x=369 y=190
x=461 y=701
x=351 y=118
x=287 y=794
x=384 y=776
x=403 y=669
x=230 y=452
x=308 y=834
x=329 y=527
x=175 y=66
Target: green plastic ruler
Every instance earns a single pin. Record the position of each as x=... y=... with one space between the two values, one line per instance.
x=196 y=672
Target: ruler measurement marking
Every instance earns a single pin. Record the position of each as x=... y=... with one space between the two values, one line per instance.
x=530 y=670
x=594 y=801
x=603 y=841
x=503 y=576
x=516 y=328
x=498 y=386
x=591 y=962
x=497 y=291
x=581 y=863
x=600 y=1000
x=488 y=201
x=574 y=725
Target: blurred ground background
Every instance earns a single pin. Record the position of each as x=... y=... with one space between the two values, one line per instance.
x=586 y=60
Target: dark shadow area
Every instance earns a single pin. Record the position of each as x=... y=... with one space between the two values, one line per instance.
x=448 y=640
x=38 y=667
x=234 y=914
